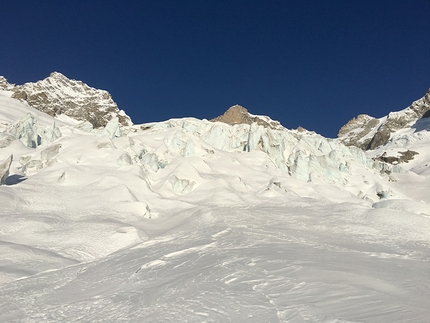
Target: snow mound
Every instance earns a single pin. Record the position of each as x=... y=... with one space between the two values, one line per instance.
x=404 y=205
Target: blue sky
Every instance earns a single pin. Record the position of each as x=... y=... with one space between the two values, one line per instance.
x=316 y=64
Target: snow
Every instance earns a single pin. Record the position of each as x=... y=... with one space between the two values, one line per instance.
x=4 y=169
x=61 y=95
x=180 y=223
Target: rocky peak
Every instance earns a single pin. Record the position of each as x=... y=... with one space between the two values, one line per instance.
x=235 y=114
x=356 y=131
x=5 y=85
x=240 y=115
x=57 y=94
x=357 y=122
x=370 y=133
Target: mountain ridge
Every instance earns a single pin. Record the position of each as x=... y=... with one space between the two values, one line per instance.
x=58 y=95
x=370 y=133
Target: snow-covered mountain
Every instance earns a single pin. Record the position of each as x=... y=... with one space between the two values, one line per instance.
x=57 y=95
x=367 y=132
x=232 y=220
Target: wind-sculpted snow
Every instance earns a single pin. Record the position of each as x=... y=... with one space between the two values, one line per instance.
x=307 y=261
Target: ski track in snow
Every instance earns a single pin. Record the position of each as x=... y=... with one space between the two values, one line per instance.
x=241 y=265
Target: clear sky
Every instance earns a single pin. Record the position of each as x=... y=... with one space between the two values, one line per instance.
x=316 y=64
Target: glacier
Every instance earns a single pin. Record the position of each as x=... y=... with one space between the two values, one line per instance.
x=189 y=220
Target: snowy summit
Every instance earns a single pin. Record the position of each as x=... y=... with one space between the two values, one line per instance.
x=237 y=219
x=57 y=95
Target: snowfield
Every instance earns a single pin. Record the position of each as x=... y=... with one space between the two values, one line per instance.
x=192 y=221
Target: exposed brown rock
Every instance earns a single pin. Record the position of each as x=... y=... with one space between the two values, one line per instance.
x=56 y=95
x=4 y=84
x=405 y=157
x=355 y=131
x=379 y=139
x=235 y=114
x=240 y=115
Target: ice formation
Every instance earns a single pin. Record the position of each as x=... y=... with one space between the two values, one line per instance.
x=304 y=156
x=4 y=169
x=32 y=134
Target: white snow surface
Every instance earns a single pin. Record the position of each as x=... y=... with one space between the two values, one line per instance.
x=192 y=221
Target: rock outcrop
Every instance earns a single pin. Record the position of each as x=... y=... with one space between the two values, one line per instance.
x=5 y=85
x=369 y=133
x=356 y=131
x=240 y=115
x=404 y=157
x=56 y=95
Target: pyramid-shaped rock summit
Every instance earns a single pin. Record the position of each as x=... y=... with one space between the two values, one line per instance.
x=57 y=94
x=237 y=114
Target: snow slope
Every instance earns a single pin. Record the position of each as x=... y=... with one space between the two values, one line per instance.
x=192 y=221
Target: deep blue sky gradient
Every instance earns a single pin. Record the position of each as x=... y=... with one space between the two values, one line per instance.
x=316 y=64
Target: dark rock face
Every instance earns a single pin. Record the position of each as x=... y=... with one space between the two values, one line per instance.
x=239 y=115
x=379 y=139
x=56 y=95
x=20 y=95
x=356 y=132
x=426 y=115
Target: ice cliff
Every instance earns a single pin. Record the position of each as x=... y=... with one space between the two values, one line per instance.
x=304 y=156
